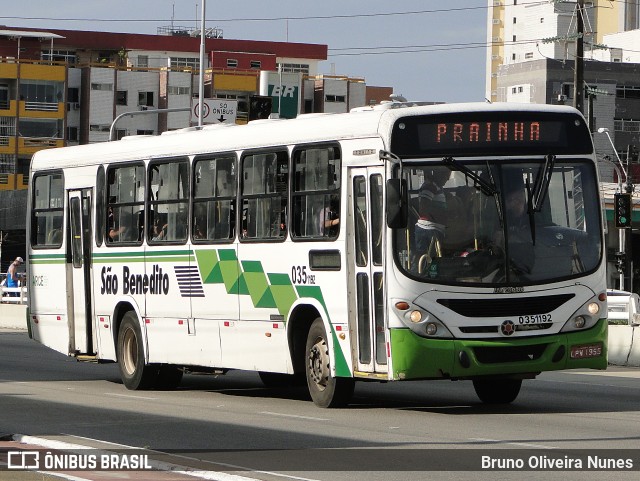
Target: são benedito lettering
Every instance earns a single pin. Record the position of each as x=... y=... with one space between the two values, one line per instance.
x=155 y=283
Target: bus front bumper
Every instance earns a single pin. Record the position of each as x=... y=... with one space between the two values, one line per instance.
x=416 y=357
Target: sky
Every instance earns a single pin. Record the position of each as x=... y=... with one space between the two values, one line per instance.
x=427 y=50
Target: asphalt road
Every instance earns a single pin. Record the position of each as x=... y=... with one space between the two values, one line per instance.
x=412 y=430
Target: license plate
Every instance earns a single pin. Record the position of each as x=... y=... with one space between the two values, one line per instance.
x=583 y=352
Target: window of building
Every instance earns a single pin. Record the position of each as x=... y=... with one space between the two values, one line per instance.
x=73 y=95
x=335 y=98
x=43 y=128
x=315 y=197
x=293 y=68
x=168 y=201
x=214 y=198
x=264 y=195
x=41 y=94
x=513 y=56
x=628 y=92
x=257 y=64
x=520 y=89
x=514 y=20
x=143 y=61
x=101 y=86
x=144 y=132
x=513 y=90
x=528 y=55
x=59 y=55
x=145 y=99
x=184 y=63
x=47 y=212
x=175 y=90
x=125 y=204
x=232 y=63
x=72 y=134
x=514 y=38
x=121 y=97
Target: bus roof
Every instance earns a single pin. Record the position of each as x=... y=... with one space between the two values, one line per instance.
x=375 y=121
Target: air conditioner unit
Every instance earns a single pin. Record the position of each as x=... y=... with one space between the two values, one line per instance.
x=496 y=21
x=496 y=57
x=562 y=98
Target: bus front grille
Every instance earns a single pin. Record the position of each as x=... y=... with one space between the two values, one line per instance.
x=501 y=307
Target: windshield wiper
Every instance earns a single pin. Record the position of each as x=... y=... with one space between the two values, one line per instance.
x=479 y=183
x=541 y=185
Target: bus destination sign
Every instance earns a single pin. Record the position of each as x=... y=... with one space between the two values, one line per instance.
x=493 y=133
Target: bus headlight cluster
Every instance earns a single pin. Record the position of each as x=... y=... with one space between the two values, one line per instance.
x=585 y=317
x=420 y=321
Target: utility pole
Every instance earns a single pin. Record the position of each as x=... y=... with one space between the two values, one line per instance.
x=578 y=74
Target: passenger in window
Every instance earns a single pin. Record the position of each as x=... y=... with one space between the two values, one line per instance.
x=430 y=227
x=159 y=232
x=329 y=222
x=114 y=232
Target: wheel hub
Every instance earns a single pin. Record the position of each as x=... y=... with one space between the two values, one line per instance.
x=319 y=364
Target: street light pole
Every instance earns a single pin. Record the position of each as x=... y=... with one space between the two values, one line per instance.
x=201 y=77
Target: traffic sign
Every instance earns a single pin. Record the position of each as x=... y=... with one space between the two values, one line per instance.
x=215 y=111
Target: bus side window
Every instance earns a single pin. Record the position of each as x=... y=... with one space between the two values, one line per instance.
x=316 y=193
x=125 y=205
x=264 y=195
x=214 y=198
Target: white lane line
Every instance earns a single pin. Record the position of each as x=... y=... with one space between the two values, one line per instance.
x=499 y=441
x=130 y=396
x=162 y=466
x=310 y=418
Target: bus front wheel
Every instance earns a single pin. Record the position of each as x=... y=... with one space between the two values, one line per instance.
x=497 y=391
x=133 y=371
x=326 y=391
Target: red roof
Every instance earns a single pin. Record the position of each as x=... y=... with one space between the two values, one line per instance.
x=136 y=41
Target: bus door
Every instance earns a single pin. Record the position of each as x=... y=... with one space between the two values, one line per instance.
x=366 y=310
x=79 y=272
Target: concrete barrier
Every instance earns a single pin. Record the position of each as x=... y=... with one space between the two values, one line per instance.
x=13 y=316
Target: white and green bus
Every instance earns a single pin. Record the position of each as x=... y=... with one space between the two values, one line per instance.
x=295 y=248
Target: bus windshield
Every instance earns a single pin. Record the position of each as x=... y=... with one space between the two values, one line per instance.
x=488 y=222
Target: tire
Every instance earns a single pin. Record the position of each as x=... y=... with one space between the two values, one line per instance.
x=497 y=391
x=169 y=377
x=326 y=391
x=133 y=371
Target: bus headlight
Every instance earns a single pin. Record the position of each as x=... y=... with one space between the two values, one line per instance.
x=585 y=317
x=421 y=321
x=579 y=322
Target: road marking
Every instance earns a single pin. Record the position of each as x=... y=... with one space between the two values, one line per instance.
x=310 y=418
x=499 y=441
x=130 y=396
x=626 y=374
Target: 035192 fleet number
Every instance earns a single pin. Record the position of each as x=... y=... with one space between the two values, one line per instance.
x=535 y=319
x=299 y=275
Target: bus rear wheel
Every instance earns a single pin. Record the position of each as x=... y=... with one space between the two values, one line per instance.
x=133 y=371
x=326 y=391
x=497 y=391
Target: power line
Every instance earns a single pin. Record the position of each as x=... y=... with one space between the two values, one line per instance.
x=255 y=19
